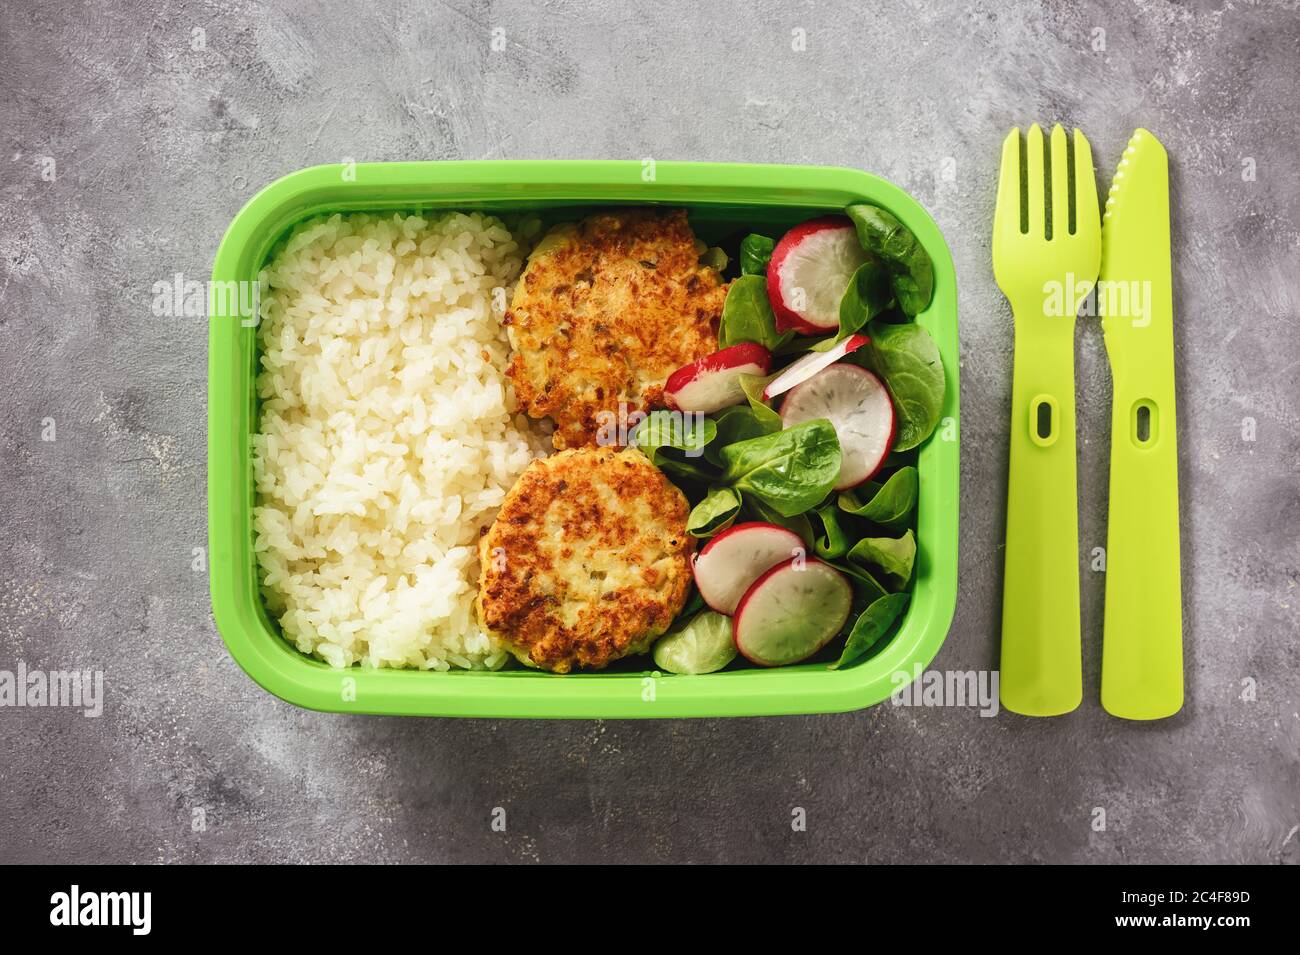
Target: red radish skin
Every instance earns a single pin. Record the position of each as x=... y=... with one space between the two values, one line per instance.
x=796 y=373
x=729 y=563
x=818 y=256
x=713 y=382
x=775 y=602
x=859 y=408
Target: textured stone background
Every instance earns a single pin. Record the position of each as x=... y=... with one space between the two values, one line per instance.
x=156 y=147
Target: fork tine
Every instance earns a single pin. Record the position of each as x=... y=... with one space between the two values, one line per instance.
x=1086 y=215
x=1037 y=185
x=1060 y=184
x=1006 y=215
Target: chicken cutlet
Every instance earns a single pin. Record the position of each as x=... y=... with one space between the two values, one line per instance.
x=588 y=560
x=605 y=311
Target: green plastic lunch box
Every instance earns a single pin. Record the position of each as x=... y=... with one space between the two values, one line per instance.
x=721 y=199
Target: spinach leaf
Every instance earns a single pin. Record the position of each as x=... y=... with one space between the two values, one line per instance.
x=893 y=555
x=868 y=295
x=799 y=523
x=791 y=470
x=871 y=626
x=737 y=423
x=912 y=273
x=715 y=513
x=747 y=315
x=755 y=253
x=833 y=543
x=889 y=504
x=670 y=440
x=907 y=360
x=753 y=386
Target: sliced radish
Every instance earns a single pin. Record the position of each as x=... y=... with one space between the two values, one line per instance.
x=810 y=269
x=791 y=612
x=857 y=406
x=713 y=382
x=796 y=373
x=730 y=562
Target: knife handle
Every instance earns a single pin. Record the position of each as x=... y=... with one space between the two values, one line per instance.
x=1041 y=668
x=1142 y=642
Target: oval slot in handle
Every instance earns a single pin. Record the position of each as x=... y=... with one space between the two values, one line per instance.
x=1145 y=423
x=1044 y=417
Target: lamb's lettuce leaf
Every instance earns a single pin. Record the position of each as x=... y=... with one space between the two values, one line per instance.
x=889 y=504
x=870 y=626
x=893 y=555
x=675 y=443
x=714 y=513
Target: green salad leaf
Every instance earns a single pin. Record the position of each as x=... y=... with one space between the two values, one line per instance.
x=674 y=443
x=912 y=272
x=798 y=523
x=889 y=504
x=755 y=253
x=747 y=315
x=767 y=418
x=715 y=513
x=791 y=470
x=866 y=589
x=816 y=344
x=907 y=360
x=869 y=294
x=832 y=543
x=671 y=429
x=737 y=423
x=893 y=555
x=871 y=626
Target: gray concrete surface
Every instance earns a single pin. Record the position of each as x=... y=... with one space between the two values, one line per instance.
x=156 y=144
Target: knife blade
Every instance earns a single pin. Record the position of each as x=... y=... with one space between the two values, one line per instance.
x=1142 y=648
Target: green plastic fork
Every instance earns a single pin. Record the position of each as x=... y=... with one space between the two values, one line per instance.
x=1046 y=253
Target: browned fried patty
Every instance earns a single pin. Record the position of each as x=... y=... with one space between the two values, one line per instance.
x=588 y=560
x=605 y=311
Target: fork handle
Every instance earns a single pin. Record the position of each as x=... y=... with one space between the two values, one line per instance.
x=1041 y=668
x=1142 y=648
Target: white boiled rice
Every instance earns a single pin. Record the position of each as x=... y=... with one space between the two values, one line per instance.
x=388 y=435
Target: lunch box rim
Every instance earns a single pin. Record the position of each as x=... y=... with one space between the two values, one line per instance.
x=516 y=185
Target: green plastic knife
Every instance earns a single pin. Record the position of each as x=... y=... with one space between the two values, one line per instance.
x=1142 y=649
